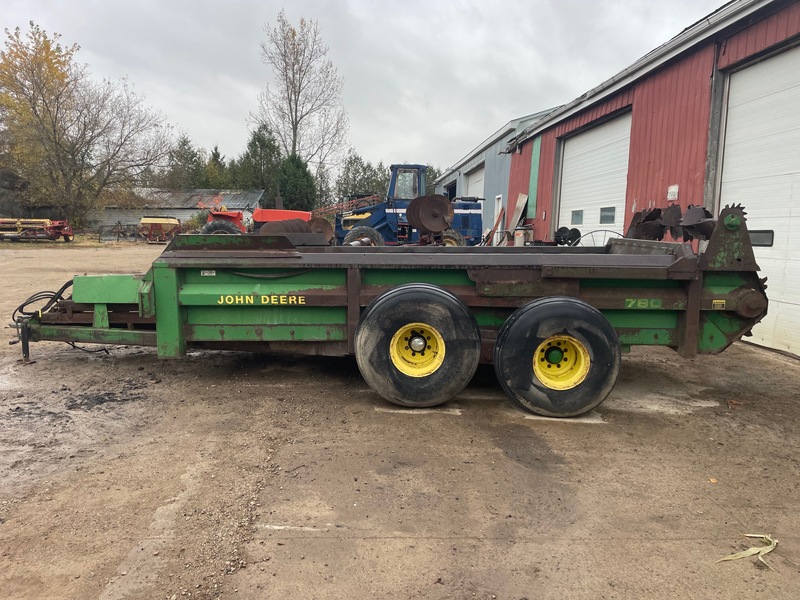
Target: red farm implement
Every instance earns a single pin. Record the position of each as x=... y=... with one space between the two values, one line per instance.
x=35 y=229
x=159 y=230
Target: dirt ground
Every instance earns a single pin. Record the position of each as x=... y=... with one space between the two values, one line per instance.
x=249 y=476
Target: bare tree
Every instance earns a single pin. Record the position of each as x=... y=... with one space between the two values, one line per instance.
x=72 y=139
x=304 y=106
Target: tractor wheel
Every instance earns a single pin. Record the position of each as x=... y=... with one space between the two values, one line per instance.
x=362 y=231
x=417 y=345
x=453 y=237
x=283 y=227
x=220 y=227
x=557 y=357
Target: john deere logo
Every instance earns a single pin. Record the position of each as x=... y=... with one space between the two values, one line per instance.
x=270 y=299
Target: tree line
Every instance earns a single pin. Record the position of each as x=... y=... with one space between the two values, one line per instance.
x=72 y=144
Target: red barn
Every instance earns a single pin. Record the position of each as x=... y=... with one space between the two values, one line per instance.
x=710 y=118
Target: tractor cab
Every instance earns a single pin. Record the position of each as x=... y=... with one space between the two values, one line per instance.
x=387 y=222
x=407 y=182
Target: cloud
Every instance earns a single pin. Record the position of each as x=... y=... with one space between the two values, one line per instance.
x=424 y=81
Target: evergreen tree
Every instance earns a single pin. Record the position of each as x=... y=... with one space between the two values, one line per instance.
x=297 y=186
x=216 y=171
x=361 y=177
x=184 y=168
x=257 y=168
x=431 y=175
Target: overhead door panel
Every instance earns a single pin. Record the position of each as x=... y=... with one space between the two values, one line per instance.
x=761 y=170
x=475 y=183
x=594 y=176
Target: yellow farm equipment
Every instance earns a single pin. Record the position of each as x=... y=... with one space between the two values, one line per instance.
x=159 y=230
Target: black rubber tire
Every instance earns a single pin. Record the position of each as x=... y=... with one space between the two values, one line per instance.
x=453 y=237
x=533 y=324
x=362 y=231
x=220 y=227
x=398 y=308
x=286 y=226
x=69 y=237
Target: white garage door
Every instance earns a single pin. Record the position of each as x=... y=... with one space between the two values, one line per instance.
x=594 y=178
x=475 y=183
x=761 y=170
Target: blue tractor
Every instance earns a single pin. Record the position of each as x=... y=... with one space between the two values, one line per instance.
x=408 y=216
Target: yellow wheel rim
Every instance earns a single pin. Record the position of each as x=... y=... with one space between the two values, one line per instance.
x=417 y=350
x=449 y=241
x=561 y=362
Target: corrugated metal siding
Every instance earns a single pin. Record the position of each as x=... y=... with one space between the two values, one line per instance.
x=232 y=199
x=495 y=177
x=519 y=179
x=669 y=134
x=130 y=216
x=669 y=138
x=768 y=32
x=591 y=114
x=497 y=166
x=544 y=189
x=533 y=185
x=547 y=166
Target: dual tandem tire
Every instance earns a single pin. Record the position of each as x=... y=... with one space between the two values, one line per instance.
x=417 y=345
x=557 y=357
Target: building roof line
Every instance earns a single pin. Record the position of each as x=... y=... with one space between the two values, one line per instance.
x=502 y=131
x=689 y=37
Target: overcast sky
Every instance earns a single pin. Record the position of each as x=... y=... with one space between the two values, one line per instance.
x=425 y=81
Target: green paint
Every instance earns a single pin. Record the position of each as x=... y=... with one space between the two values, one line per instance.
x=395 y=277
x=732 y=222
x=715 y=330
x=285 y=279
x=106 y=289
x=147 y=299
x=100 y=318
x=94 y=335
x=257 y=295
x=644 y=303
x=222 y=303
x=646 y=337
x=491 y=317
x=262 y=315
x=634 y=319
x=266 y=333
x=724 y=282
x=533 y=184
x=633 y=284
x=169 y=314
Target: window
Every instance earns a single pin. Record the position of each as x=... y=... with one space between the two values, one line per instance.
x=576 y=218
x=607 y=216
x=406 y=185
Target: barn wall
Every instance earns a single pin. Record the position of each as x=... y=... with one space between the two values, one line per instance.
x=519 y=180
x=761 y=36
x=130 y=216
x=548 y=151
x=669 y=133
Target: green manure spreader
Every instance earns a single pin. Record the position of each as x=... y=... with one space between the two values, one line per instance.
x=553 y=320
